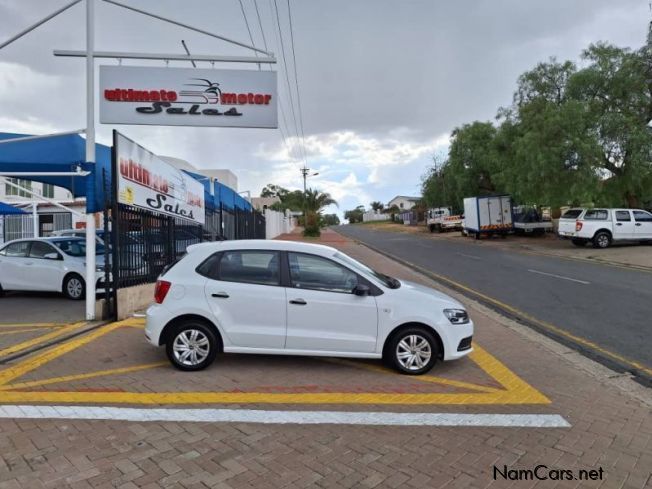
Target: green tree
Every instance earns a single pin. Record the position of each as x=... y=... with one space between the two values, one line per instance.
x=330 y=220
x=377 y=206
x=314 y=202
x=354 y=215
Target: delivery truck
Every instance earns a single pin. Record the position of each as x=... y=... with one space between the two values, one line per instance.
x=488 y=215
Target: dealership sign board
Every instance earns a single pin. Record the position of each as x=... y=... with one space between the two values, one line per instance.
x=146 y=181
x=187 y=97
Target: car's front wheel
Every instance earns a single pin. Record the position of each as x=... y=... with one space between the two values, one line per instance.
x=74 y=287
x=192 y=346
x=413 y=351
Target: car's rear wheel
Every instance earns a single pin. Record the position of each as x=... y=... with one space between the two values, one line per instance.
x=2 y=292
x=74 y=287
x=413 y=351
x=602 y=240
x=192 y=346
x=578 y=242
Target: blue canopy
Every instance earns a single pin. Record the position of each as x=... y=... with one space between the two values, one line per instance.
x=60 y=154
x=6 y=209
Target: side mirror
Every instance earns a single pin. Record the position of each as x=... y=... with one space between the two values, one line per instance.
x=52 y=256
x=361 y=290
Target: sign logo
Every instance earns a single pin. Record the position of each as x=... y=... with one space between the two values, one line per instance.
x=191 y=100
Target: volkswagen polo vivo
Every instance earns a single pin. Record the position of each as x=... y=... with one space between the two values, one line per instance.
x=290 y=298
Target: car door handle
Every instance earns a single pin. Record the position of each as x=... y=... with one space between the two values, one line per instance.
x=29 y=263
x=298 y=302
x=638 y=223
x=619 y=224
x=221 y=295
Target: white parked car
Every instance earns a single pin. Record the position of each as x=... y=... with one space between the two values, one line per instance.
x=48 y=264
x=289 y=298
x=601 y=227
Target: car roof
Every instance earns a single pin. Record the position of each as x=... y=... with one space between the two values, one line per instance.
x=263 y=244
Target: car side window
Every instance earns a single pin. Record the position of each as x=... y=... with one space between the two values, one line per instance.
x=318 y=273
x=596 y=215
x=642 y=216
x=17 y=250
x=623 y=216
x=40 y=250
x=250 y=267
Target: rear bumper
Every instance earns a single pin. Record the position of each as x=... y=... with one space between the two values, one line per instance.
x=157 y=317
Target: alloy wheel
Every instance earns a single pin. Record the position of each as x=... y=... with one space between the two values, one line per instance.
x=191 y=347
x=413 y=352
x=74 y=287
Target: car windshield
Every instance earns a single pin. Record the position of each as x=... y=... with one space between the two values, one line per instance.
x=390 y=282
x=77 y=247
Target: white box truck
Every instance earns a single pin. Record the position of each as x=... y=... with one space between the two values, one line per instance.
x=488 y=215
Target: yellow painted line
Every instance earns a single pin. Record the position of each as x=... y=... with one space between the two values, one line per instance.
x=31 y=325
x=421 y=378
x=20 y=331
x=71 y=378
x=542 y=324
x=41 y=339
x=500 y=397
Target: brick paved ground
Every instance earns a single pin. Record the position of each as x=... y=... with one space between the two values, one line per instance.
x=611 y=428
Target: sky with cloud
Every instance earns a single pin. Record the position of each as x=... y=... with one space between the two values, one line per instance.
x=382 y=82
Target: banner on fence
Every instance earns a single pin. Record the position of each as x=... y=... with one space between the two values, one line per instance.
x=146 y=181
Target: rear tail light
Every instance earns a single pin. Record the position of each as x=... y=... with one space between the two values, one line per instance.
x=161 y=290
x=578 y=225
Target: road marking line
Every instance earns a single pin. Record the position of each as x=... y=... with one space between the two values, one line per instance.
x=284 y=417
x=542 y=324
x=41 y=339
x=421 y=378
x=470 y=256
x=20 y=331
x=31 y=325
x=72 y=378
x=559 y=276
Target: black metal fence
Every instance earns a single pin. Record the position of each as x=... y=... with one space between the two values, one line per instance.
x=146 y=241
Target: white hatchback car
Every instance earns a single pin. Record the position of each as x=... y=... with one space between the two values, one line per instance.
x=290 y=298
x=49 y=264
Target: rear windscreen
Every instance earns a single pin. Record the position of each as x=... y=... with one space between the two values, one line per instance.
x=571 y=214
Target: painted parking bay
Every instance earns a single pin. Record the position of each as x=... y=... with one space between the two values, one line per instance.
x=113 y=364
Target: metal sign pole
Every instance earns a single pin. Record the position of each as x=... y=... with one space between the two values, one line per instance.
x=90 y=158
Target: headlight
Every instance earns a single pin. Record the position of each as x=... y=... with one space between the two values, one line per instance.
x=457 y=316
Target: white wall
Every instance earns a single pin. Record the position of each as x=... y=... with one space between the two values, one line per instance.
x=373 y=216
x=277 y=223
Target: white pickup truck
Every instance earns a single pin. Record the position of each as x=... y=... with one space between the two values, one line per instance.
x=604 y=226
x=440 y=219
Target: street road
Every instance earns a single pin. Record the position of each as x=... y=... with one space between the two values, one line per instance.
x=609 y=306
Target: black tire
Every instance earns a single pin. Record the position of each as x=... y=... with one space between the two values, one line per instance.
x=602 y=240
x=204 y=337
x=581 y=242
x=401 y=343
x=2 y=291
x=74 y=287
x=431 y=228
x=439 y=229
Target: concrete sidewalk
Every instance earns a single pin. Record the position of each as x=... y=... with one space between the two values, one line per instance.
x=609 y=417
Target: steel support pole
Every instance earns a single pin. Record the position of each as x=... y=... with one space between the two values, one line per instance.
x=35 y=219
x=90 y=157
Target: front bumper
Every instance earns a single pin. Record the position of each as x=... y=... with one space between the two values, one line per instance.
x=458 y=341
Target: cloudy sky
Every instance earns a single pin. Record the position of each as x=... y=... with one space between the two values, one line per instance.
x=382 y=82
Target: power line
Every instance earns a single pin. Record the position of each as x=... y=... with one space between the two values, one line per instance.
x=287 y=79
x=296 y=80
x=251 y=37
x=262 y=32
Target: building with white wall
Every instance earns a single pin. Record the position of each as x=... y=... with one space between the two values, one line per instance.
x=403 y=202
